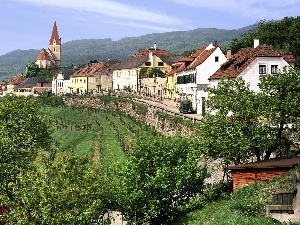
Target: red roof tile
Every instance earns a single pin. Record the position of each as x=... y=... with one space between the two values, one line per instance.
x=267 y=164
x=54 y=35
x=239 y=61
x=17 y=80
x=43 y=55
x=92 y=69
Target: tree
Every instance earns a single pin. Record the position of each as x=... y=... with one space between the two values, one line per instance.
x=281 y=106
x=281 y=35
x=160 y=176
x=235 y=132
x=24 y=130
x=232 y=131
x=68 y=190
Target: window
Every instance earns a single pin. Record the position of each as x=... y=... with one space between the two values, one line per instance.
x=262 y=69
x=147 y=63
x=216 y=58
x=160 y=63
x=274 y=69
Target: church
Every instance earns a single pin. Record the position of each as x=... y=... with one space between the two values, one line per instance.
x=51 y=57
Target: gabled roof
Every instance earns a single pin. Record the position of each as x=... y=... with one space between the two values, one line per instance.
x=158 y=52
x=132 y=62
x=268 y=164
x=17 y=80
x=200 y=57
x=169 y=59
x=181 y=64
x=31 y=82
x=242 y=59
x=92 y=69
x=54 y=35
x=43 y=55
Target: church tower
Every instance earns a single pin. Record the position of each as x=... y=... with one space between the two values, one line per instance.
x=51 y=57
x=55 y=46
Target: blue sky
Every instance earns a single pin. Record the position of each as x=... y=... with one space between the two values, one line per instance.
x=27 y=24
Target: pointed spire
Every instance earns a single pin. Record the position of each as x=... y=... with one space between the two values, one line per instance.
x=54 y=36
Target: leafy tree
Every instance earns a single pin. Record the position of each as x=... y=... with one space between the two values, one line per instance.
x=24 y=130
x=188 y=52
x=67 y=190
x=235 y=130
x=281 y=35
x=160 y=176
x=155 y=72
x=281 y=97
x=33 y=70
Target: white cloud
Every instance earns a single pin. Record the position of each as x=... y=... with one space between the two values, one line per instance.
x=259 y=9
x=112 y=9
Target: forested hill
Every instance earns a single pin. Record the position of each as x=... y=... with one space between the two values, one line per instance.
x=79 y=52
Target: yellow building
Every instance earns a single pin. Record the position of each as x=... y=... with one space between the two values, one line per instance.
x=180 y=65
x=92 y=78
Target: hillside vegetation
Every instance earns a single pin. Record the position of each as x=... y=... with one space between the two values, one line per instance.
x=79 y=52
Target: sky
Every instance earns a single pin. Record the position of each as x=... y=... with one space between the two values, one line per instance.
x=27 y=24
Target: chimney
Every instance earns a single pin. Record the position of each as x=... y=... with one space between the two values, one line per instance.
x=228 y=54
x=154 y=46
x=216 y=44
x=256 y=43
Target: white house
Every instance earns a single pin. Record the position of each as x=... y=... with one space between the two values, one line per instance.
x=252 y=63
x=61 y=82
x=192 y=81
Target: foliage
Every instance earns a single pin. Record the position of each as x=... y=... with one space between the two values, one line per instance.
x=161 y=176
x=46 y=99
x=139 y=108
x=188 y=52
x=280 y=34
x=246 y=206
x=33 y=70
x=235 y=116
x=64 y=191
x=24 y=130
x=155 y=72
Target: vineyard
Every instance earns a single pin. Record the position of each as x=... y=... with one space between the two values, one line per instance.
x=105 y=136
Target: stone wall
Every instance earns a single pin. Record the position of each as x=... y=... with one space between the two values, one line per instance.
x=162 y=125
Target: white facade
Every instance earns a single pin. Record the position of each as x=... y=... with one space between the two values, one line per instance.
x=125 y=78
x=195 y=90
x=251 y=74
x=60 y=86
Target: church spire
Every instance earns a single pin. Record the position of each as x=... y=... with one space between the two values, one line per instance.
x=54 y=40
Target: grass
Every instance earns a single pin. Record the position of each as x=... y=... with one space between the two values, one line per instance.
x=246 y=206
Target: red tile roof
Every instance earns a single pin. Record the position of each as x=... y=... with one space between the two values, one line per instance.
x=132 y=62
x=17 y=80
x=92 y=69
x=158 y=52
x=54 y=35
x=200 y=58
x=43 y=55
x=242 y=59
x=267 y=164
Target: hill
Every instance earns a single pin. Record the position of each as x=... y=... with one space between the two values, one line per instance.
x=79 y=52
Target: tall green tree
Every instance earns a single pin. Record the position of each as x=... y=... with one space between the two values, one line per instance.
x=161 y=175
x=68 y=190
x=24 y=130
x=281 y=35
x=245 y=124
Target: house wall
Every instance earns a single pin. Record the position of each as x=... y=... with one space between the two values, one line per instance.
x=244 y=177
x=79 y=85
x=125 y=78
x=156 y=87
x=251 y=73
x=171 y=87
x=203 y=72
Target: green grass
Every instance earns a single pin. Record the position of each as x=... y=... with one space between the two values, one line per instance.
x=246 y=206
